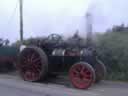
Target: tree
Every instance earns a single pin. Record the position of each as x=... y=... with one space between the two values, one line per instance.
x=118 y=28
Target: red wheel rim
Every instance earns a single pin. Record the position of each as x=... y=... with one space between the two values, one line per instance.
x=81 y=76
x=30 y=65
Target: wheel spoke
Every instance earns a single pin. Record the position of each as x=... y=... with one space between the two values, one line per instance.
x=36 y=68
x=76 y=72
x=82 y=70
x=35 y=60
x=86 y=80
x=37 y=63
x=33 y=56
x=77 y=79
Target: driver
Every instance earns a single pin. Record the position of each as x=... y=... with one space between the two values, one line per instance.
x=7 y=42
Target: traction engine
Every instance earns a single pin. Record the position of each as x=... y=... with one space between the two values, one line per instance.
x=53 y=55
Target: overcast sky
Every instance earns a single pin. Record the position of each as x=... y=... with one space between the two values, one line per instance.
x=42 y=17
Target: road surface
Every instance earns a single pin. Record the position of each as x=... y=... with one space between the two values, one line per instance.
x=15 y=86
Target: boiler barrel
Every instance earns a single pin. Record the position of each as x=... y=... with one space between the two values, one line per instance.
x=61 y=59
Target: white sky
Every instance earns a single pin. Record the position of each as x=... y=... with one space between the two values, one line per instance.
x=42 y=17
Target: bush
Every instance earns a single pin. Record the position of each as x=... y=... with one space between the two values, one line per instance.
x=112 y=49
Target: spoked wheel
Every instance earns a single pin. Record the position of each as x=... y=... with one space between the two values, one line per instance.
x=33 y=64
x=82 y=75
x=100 y=70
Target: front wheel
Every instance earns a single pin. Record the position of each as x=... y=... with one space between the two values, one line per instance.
x=82 y=75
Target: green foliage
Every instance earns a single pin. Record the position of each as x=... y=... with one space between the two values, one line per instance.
x=118 y=28
x=112 y=49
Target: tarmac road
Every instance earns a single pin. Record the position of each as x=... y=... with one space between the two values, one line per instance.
x=15 y=86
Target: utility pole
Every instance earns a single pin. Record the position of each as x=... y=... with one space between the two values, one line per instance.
x=21 y=19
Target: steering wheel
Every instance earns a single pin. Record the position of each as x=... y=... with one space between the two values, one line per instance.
x=55 y=38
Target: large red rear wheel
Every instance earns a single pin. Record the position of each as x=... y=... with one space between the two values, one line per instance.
x=82 y=75
x=33 y=64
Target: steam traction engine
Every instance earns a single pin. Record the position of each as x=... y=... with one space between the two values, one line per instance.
x=53 y=55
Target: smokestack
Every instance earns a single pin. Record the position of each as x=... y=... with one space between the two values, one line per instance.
x=89 y=28
x=89 y=25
